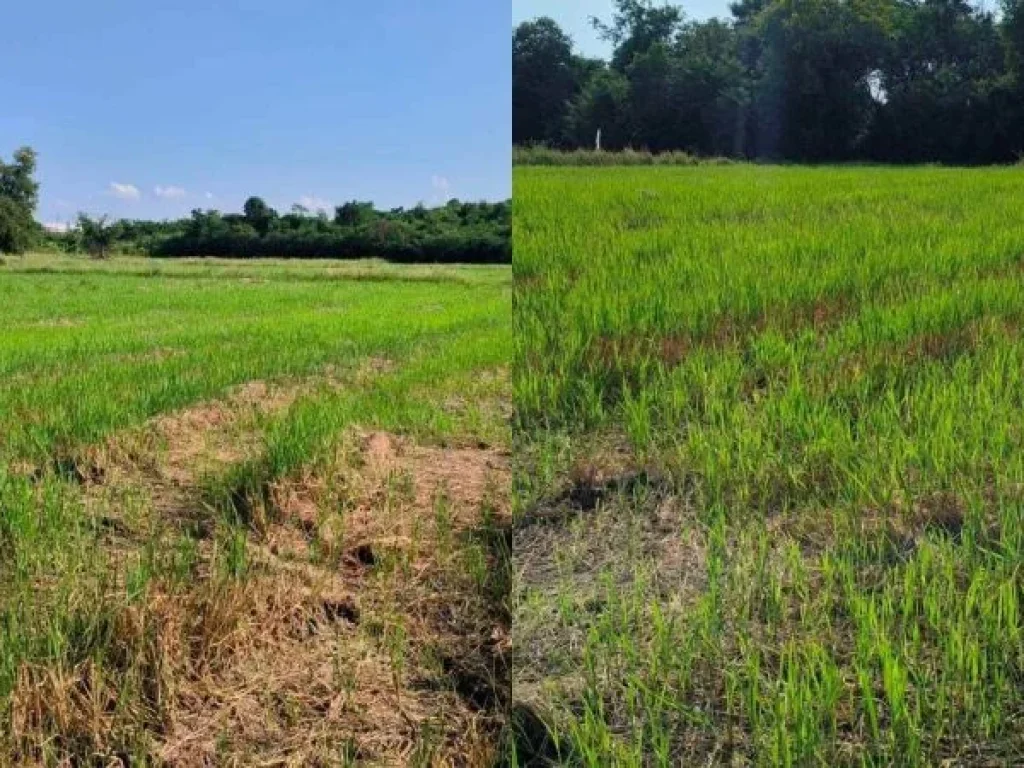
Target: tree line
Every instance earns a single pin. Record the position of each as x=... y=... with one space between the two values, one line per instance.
x=800 y=80
x=451 y=233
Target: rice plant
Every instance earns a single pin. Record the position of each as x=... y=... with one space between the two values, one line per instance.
x=770 y=485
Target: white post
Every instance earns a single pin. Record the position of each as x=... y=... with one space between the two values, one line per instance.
x=597 y=141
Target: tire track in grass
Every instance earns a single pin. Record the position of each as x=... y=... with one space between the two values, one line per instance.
x=377 y=634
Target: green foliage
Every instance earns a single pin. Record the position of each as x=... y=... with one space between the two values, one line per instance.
x=637 y=27
x=259 y=215
x=354 y=214
x=544 y=79
x=1012 y=29
x=19 y=193
x=16 y=179
x=807 y=80
x=454 y=233
x=95 y=235
x=17 y=229
x=603 y=105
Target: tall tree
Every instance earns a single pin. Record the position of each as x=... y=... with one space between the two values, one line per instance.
x=354 y=214
x=16 y=229
x=942 y=79
x=813 y=77
x=1013 y=36
x=543 y=81
x=19 y=193
x=807 y=80
x=689 y=94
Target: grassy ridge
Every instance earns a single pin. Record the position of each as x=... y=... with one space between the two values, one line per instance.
x=816 y=374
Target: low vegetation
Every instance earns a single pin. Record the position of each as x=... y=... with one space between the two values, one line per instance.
x=541 y=155
x=769 y=487
x=253 y=513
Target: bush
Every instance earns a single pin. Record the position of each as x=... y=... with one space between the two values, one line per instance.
x=541 y=155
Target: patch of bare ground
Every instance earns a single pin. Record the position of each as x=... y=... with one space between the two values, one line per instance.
x=613 y=528
x=418 y=533
x=901 y=523
x=163 y=463
x=368 y=623
x=386 y=492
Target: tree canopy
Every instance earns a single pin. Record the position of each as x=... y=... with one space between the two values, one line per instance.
x=455 y=232
x=804 y=80
x=19 y=193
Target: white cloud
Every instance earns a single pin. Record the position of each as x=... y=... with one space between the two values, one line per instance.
x=56 y=226
x=313 y=203
x=442 y=189
x=209 y=195
x=169 y=192
x=124 y=191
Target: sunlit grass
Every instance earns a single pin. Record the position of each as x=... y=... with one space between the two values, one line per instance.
x=93 y=567
x=822 y=369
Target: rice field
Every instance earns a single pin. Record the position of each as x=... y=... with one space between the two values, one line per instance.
x=253 y=513
x=768 y=500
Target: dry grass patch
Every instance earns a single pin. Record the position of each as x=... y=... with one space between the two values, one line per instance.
x=356 y=623
x=416 y=533
x=633 y=532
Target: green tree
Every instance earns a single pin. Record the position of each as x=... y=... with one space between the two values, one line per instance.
x=715 y=87
x=259 y=215
x=354 y=213
x=17 y=180
x=96 y=235
x=813 y=77
x=544 y=79
x=602 y=105
x=19 y=194
x=16 y=229
x=1013 y=37
x=945 y=82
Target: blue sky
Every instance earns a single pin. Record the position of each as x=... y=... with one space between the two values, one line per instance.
x=573 y=16
x=151 y=108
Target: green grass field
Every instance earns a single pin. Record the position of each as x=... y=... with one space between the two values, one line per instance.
x=769 y=498
x=252 y=513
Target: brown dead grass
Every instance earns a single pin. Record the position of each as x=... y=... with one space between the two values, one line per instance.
x=615 y=523
x=388 y=492
x=355 y=635
x=624 y=352
x=395 y=518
